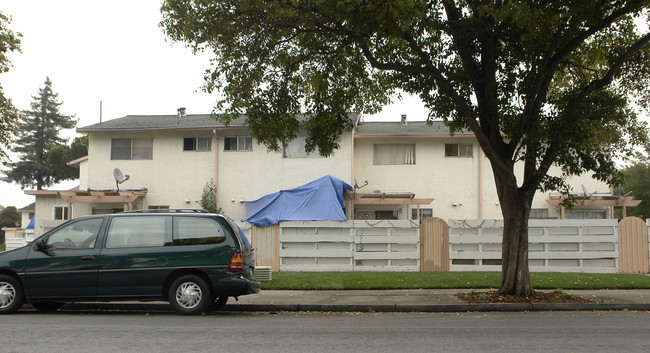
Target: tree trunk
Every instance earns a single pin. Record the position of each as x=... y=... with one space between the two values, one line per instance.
x=515 y=206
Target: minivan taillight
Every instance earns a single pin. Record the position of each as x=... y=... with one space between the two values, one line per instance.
x=236 y=263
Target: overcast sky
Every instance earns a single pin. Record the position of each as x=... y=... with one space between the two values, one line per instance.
x=113 y=52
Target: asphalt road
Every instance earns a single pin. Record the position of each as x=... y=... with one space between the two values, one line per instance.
x=610 y=331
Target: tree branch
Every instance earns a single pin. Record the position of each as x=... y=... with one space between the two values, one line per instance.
x=550 y=64
x=616 y=67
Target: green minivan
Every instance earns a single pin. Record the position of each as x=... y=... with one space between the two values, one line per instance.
x=193 y=259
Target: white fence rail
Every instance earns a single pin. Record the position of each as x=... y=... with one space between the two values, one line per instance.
x=554 y=245
x=349 y=246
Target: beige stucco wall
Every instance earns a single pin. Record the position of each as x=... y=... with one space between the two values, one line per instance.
x=171 y=177
x=44 y=212
x=463 y=188
x=24 y=219
x=447 y=180
x=83 y=175
x=174 y=176
x=249 y=175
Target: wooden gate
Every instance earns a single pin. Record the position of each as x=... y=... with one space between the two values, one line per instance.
x=266 y=242
x=632 y=246
x=434 y=245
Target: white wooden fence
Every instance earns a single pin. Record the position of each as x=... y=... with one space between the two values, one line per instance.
x=474 y=245
x=554 y=245
x=349 y=246
x=17 y=237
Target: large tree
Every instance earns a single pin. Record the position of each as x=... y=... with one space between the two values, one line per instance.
x=9 y=42
x=9 y=217
x=39 y=134
x=539 y=83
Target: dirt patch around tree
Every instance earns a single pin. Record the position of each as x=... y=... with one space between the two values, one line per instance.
x=540 y=297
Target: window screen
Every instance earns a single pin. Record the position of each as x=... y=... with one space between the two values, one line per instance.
x=199 y=144
x=131 y=148
x=394 y=154
x=240 y=143
x=296 y=149
x=458 y=150
x=121 y=149
x=424 y=213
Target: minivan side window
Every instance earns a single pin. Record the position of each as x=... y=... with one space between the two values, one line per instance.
x=197 y=230
x=77 y=235
x=131 y=232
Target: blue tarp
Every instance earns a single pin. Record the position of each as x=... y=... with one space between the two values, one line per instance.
x=31 y=224
x=320 y=200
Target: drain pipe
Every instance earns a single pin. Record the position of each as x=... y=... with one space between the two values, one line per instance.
x=216 y=167
x=480 y=182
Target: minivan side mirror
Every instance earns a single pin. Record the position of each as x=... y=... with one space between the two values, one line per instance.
x=41 y=246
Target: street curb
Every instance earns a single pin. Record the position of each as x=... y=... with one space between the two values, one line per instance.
x=384 y=308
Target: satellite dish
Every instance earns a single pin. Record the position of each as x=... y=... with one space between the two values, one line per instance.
x=621 y=192
x=356 y=186
x=586 y=194
x=119 y=177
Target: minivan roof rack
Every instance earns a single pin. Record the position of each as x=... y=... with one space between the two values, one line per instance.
x=169 y=210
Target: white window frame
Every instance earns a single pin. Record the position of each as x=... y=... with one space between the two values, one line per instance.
x=571 y=214
x=141 y=149
x=462 y=150
x=64 y=212
x=393 y=154
x=199 y=144
x=539 y=213
x=424 y=213
x=243 y=143
x=106 y=210
x=296 y=148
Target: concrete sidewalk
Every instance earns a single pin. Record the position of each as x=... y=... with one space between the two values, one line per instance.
x=423 y=300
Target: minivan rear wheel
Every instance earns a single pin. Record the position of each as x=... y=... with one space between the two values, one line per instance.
x=190 y=295
x=11 y=294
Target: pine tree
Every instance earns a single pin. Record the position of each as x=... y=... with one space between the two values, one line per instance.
x=39 y=129
x=59 y=156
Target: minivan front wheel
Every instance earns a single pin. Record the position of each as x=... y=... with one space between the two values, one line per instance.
x=190 y=295
x=11 y=294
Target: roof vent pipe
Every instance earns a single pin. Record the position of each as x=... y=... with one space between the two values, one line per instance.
x=181 y=113
x=404 y=119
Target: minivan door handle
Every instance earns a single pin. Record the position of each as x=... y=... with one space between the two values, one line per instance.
x=87 y=258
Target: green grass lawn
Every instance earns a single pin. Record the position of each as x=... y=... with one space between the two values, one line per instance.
x=3 y=246
x=436 y=280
